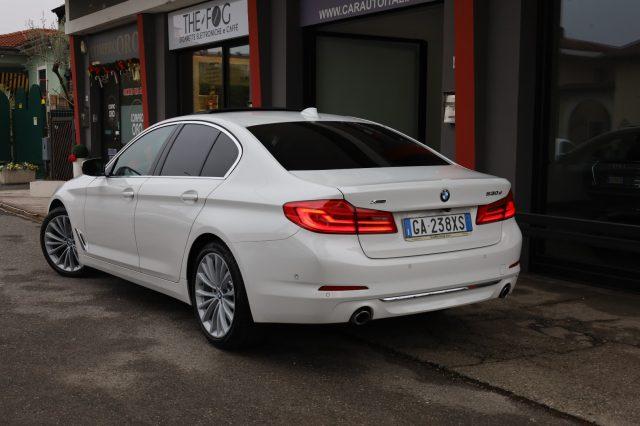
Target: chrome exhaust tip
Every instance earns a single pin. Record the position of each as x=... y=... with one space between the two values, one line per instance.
x=361 y=316
x=505 y=291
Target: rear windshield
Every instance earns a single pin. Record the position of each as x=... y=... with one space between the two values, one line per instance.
x=326 y=145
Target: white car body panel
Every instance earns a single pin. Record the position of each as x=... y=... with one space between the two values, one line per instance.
x=148 y=240
x=286 y=282
x=416 y=193
x=109 y=219
x=166 y=210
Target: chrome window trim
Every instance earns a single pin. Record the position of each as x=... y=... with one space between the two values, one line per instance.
x=216 y=126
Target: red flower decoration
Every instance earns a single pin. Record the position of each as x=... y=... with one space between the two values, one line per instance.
x=72 y=158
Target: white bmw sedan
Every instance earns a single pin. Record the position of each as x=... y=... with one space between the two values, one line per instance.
x=287 y=217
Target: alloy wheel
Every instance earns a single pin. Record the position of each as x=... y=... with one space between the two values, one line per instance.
x=60 y=244
x=214 y=295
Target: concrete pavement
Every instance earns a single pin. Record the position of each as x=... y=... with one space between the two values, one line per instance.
x=568 y=346
x=101 y=350
x=18 y=200
x=104 y=350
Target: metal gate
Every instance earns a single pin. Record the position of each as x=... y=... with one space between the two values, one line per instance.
x=61 y=140
x=28 y=126
x=5 y=132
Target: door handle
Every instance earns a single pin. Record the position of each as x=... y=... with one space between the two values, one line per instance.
x=189 y=196
x=128 y=194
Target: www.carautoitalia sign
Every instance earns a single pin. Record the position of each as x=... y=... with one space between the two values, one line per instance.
x=317 y=11
x=207 y=23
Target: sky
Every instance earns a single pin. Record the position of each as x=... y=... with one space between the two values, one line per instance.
x=14 y=14
x=613 y=22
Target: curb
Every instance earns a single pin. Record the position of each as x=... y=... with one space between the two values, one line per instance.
x=20 y=212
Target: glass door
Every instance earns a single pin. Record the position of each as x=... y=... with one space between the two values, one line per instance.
x=207 y=79
x=239 y=87
x=215 y=77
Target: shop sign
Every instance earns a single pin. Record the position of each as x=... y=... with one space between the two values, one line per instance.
x=208 y=23
x=320 y=11
x=113 y=45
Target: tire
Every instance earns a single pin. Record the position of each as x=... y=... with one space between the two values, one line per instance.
x=213 y=299
x=58 y=244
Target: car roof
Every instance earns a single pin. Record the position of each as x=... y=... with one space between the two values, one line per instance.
x=248 y=118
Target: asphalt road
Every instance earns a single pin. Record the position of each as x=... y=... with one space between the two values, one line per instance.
x=101 y=350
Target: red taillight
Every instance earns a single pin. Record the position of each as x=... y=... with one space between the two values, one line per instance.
x=339 y=217
x=498 y=210
x=375 y=222
x=343 y=287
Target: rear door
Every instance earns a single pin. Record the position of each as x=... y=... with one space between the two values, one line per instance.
x=169 y=202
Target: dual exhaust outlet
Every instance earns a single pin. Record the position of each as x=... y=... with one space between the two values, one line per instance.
x=361 y=316
x=364 y=314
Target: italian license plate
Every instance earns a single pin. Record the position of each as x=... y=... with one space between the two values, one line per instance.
x=432 y=227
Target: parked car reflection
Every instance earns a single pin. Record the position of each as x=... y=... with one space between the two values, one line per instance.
x=600 y=179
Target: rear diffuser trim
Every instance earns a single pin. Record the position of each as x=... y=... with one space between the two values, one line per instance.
x=439 y=292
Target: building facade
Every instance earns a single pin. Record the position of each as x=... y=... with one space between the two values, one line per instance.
x=541 y=93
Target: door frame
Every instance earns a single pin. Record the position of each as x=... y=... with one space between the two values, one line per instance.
x=309 y=69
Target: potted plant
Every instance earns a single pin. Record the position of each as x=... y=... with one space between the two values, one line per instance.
x=13 y=173
x=79 y=154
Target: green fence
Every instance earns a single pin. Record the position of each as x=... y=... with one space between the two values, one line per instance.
x=22 y=127
x=28 y=125
x=5 y=133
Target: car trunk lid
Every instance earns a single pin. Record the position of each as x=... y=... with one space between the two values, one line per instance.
x=415 y=192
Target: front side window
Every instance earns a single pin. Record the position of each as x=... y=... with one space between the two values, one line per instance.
x=327 y=145
x=189 y=151
x=138 y=159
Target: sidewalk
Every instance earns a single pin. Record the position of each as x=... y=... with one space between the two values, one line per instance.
x=17 y=200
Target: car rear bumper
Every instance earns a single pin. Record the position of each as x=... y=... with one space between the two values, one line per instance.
x=283 y=277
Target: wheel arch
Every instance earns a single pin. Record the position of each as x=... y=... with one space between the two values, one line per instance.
x=56 y=203
x=201 y=241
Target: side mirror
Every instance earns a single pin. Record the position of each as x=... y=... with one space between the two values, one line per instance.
x=93 y=167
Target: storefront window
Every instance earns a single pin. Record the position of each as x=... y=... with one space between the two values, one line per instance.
x=207 y=79
x=594 y=159
x=239 y=92
x=132 y=117
x=593 y=154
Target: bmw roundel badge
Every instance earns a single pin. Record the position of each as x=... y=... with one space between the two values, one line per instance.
x=445 y=195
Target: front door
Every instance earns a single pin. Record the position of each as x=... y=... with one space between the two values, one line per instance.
x=111 y=137
x=111 y=201
x=108 y=216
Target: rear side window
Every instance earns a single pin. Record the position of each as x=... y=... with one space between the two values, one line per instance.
x=189 y=150
x=140 y=156
x=222 y=156
x=327 y=145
